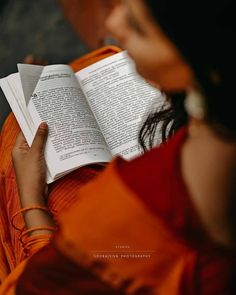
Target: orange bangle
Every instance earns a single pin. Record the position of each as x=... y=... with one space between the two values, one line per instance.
x=36 y=241
x=41 y=240
x=49 y=228
x=25 y=210
x=28 y=247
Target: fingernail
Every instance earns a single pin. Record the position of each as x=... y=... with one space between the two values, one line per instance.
x=43 y=125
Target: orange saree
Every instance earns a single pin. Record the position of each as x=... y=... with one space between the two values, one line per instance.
x=62 y=193
x=116 y=239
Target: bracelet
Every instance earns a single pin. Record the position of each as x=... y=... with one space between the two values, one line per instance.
x=36 y=241
x=23 y=234
x=25 y=210
x=40 y=240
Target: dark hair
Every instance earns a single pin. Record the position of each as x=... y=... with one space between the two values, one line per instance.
x=203 y=31
x=167 y=120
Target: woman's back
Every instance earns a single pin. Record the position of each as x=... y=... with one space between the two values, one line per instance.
x=209 y=169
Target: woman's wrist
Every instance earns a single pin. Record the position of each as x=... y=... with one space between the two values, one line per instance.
x=30 y=199
x=36 y=218
x=38 y=214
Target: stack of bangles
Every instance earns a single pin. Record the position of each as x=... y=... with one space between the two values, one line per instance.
x=28 y=241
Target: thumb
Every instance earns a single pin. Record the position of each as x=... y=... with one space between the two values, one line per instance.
x=40 y=137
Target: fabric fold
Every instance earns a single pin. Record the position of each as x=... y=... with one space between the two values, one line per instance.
x=134 y=244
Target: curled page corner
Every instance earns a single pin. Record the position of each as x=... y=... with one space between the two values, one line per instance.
x=29 y=75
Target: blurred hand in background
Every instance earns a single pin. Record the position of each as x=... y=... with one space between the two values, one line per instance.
x=88 y=19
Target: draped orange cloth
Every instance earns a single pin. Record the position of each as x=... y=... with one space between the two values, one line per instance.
x=107 y=217
x=94 y=227
x=62 y=192
x=131 y=232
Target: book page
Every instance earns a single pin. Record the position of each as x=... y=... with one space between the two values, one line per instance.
x=74 y=136
x=120 y=100
x=29 y=75
x=12 y=88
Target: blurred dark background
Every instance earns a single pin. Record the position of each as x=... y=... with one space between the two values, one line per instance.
x=34 y=27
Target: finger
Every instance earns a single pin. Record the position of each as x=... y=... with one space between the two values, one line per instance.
x=20 y=140
x=40 y=138
x=24 y=147
x=29 y=59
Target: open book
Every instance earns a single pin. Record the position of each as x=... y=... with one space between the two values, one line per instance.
x=93 y=115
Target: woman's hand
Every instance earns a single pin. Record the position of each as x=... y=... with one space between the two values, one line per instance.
x=30 y=168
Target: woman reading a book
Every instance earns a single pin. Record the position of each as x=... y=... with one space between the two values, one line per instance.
x=163 y=223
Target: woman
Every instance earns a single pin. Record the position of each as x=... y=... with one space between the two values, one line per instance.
x=162 y=223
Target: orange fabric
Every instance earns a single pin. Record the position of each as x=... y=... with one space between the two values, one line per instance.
x=87 y=237
x=4 y=269
x=94 y=56
x=8 y=287
x=62 y=192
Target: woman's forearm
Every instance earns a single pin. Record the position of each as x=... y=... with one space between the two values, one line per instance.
x=37 y=217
